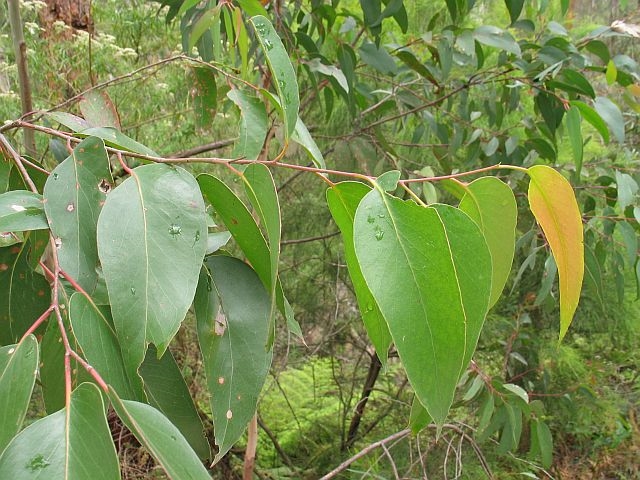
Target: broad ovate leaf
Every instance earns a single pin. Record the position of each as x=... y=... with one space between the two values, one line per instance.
x=429 y=270
x=152 y=236
x=343 y=200
x=554 y=205
x=161 y=438
x=18 y=370
x=74 y=194
x=283 y=74
x=21 y=210
x=168 y=392
x=72 y=444
x=491 y=204
x=232 y=310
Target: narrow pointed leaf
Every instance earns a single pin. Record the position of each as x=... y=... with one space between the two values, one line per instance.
x=24 y=295
x=554 y=205
x=21 y=210
x=419 y=418
x=343 y=200
x=284 y=76
x=18 y=370
x=591 y=116
x=74 y=194
x=72 y=122
x=205 y=96
x=168 y=392
x=73 y=444
x=261 y=190
x=250 y=239
x=232 y=310
x=253 y=124
x=52 y=368
x=491 y=204
x=151 y=256
x=302 y=137
x=161 y=438
x=575 y=137
x=94 y=331
x=117 y=139
x=429 y=269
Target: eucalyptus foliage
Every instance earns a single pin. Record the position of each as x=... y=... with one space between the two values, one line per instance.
x=107 y=252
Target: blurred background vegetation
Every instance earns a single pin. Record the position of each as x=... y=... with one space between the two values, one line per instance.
x=588 y=387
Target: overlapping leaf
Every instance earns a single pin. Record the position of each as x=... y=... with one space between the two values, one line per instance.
x=18 y=370
x=253 y=124
x=151 y=256
x=343 y=200
x=161 y=438
x=554 y=205
x=429 y=269
x=73 y=444
x=168 y=392
x=74 y=194
x=233 y=310
x=492 y=205
x=94 y=330
x=21 y=210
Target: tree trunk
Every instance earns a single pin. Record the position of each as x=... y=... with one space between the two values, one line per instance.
x=74 y=13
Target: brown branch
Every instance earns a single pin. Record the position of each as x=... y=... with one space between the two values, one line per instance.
x=207 y=147
x=372 y=375
x=250 y=451
x=298 y=241
x=17 y=159
x=276 y=445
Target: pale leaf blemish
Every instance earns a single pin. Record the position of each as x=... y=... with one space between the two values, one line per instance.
x=71 y=207
x=220 y=324
x=18 y=208
x=229 y=414
x=58 y=242
x=11 y=350
x=221 y=380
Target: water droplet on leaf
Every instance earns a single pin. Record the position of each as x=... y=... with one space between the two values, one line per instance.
x=133 y=290
x=175 y=229
x=37 y=463
x=379 y=235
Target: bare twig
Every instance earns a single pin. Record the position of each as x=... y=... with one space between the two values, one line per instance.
x=250 y=452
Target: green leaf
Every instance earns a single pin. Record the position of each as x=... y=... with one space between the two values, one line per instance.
x=548 y=279
x=611 y=73
x=612 y=115
x=554 y=205
x=594 y=274
x=498 y=38
x=161 y=438
x=419 y=418
x=491 y=204
x=52 y=368
x=541 y=435
x=22 y=210
x=575 y=137
x=591 y=116
x=253 y=124
x=72 y=122
x=261 y=190
x=627 y=189
x=24 y=295
x=302 y=137
x=518 y=391
x=168 y=392
x=388 y=181
x=98 y=109
x=515 y=8
x=252 y=7
x=151 y=257
x=249 y=238
x=115 y=138
x=378 y=58
x=284 y=76
x=630 y=239
x=217 y=240
x=205 y=96
x=93 y=329
x=18 y=370
x=429 y=269
x=343 y=200
x=73 y=197
x=232 y=310
x=74 y=443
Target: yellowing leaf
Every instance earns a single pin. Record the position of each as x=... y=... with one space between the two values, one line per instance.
x=554 y=205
